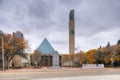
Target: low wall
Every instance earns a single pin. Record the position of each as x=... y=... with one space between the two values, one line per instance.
x=93 y=66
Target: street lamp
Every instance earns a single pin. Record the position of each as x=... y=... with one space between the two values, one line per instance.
x=2 y=34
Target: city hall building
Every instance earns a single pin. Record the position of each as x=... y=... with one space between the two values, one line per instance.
x=48 y=55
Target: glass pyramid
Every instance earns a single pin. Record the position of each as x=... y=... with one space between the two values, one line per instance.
x=45 y=47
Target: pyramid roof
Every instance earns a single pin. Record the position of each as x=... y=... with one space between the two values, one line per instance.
x=45 y=47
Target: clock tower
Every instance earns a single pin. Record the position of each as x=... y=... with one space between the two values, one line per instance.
x=71 y=32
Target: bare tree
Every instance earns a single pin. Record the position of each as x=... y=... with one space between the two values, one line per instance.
x=36 y=58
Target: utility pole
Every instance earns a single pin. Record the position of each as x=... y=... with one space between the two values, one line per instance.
x=2 y=34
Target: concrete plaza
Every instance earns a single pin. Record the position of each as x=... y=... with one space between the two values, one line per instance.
x=61 y=74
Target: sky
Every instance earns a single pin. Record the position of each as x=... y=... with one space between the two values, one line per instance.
x=96 y=22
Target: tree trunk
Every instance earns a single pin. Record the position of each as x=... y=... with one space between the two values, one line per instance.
x=8 y=63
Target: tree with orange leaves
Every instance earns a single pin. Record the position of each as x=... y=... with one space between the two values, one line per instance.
x=81 y=58
x=13 y=46
x=90 y=55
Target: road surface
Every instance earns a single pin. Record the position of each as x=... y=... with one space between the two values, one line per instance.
x=61 y=74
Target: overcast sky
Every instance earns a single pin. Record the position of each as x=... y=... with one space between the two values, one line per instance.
x=96 y=22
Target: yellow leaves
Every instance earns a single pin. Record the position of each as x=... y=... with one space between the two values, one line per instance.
x=90 y=56
x=71 y=57
x=82 y=57
x=107 y=59
x=92 y=51
x=117 y=58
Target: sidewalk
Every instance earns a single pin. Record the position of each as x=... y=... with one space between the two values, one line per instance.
x=61 y=74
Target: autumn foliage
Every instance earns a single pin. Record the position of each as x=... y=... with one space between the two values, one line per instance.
x=12 y=46
x=108 y=55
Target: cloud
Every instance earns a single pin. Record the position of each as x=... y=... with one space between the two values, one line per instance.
x=97 y=16
x=96 y=21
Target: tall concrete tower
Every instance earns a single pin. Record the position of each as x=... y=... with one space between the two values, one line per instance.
x=71 y=32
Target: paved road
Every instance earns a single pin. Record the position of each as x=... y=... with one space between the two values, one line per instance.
x=98 y=77
x=62 y=74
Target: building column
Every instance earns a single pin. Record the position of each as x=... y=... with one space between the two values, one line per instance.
x=44 y=59
x=49 y=60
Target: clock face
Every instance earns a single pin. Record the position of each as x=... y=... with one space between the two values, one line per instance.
x=72 y=31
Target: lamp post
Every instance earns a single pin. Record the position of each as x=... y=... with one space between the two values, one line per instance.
x=2 y=34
